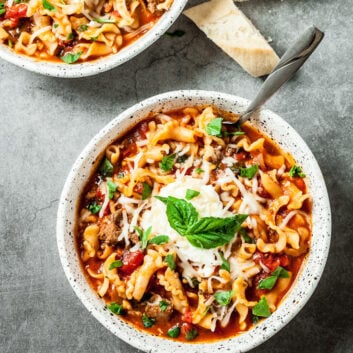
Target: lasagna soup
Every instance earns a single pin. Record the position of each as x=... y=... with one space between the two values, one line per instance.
x=192 y=230
x=76 y=30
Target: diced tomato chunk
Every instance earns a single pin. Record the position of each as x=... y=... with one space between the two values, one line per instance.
x=241 y=156
x=271 y=261
x=131 y=260
x=187 y=317
x=16 y=11
x=299 y=183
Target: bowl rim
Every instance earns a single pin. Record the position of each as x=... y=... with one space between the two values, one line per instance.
x=103 y=64
x=306 y=281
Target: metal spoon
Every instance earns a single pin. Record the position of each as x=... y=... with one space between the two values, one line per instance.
x=289 y=64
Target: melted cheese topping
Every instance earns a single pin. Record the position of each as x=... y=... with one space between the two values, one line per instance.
x=195 y=261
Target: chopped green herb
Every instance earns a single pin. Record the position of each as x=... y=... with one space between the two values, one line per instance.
x=2 y=8
x=82 y=28
x=104 y=20
x=199 y=170
x=106 y=168
x=191 y=334
x=143 y=235
x=111 y=189
x=70 y=36
x=9 y=43
x=147 y=190
x=195 y=282
x=71 y=58
x=55 y=25
x=214 y=127
x=115 y=264
x=296 y=171
x=162 y=198
x=159 y=239
x=48 y=6
x=163 y=305
x=167 y=163
x=190 y=194
x=169 y=259
x=269 y=282
x=148 y=321
x=176 y=33
x=225 y=263
x=245 y=236
x=223 y=297
x=116 y=308
x=233 y=133
x=94 y=207
x=174 y=332
x=121 y=175
x=94 y=38
x=255 y=319
x=249 y=172
x=261 y=308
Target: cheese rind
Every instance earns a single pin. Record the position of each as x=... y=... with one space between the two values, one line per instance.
x=234 y=33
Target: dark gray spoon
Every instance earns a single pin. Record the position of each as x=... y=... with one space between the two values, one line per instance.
x=291 y=61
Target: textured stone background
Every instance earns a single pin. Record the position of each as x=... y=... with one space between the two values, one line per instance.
x=46 y=122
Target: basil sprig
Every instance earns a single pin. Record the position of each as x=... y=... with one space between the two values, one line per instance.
x=223 y=297
x=296 y=172
x=167 y=163
x=262 y=308
x=249 y=172
x=143 y=235
x=204 y=232
x=269 y=282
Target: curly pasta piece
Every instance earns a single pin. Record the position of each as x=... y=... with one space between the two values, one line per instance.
x=271 y=185
x=200 y=311
x=273 y=161
x=281 y=286
x=246 y=251
x=171 y=282
x=139 y=280
x=275 y=247
x=90 y=242
x=296 y=196
x=113 y=154
x=257 y=145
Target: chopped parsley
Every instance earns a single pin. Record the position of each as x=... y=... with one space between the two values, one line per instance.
x=70 y=36
x=190 y=194
x=163 y=305
x=115 y=264
x=106 y=168
x=2 y=8
x=111 y=189
x=71 y=58
x=296 y=171
x=169 y=260
x=191 y=334
x=48 y=6
x=94 y=207
x=249 y=172
x=82 y=28
x=116 y=308
x=174 y=332
x=199 y=170
x=148 y=321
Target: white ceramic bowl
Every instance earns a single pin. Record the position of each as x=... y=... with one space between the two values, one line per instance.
x=100 y=65
x=268 y=122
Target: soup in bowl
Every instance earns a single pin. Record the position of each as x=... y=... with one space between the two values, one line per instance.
x=175 y=229
x=81 y=38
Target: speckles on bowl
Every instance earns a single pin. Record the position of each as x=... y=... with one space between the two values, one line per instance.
x=266 y=121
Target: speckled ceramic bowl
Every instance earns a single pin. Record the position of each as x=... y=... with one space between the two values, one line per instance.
x=100 y=65
x=268 y=122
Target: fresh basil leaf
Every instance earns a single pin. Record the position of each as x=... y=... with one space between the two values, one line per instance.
x=167 y=162
x=249 y=172
x=48 y=6
x=176 y=33
x=115 y=264
x=159 y=239
x=93 y=39
x=191 y=334
x=143 y=235
x=233 y=133
x=223 y=297
x=214 y=127
x=2 y=8
x=116 y=308
x=182 y=159
x=190 y=194
x=56 y=25
x=82 y=28
x=104 y=20
x=255 y=319
x=70 y=58
x=261 y=308
x=199 y=170
x=70 y=36
x=195 y=282
x=169 y=259
x=246 y=237
x=211 y=232
x=280 y=272
x=163 y=305
x=225 y=264
x=174 y=332
x=181 y=214
x=111 y=189
x=162 y=198
x=296 y=171
x=148 y=321
x=94 y=208
x=147 y=190
x=106 y=168
x=267 y=283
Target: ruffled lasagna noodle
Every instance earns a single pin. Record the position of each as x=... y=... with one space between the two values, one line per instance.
x=193 y=231
x=76 y=30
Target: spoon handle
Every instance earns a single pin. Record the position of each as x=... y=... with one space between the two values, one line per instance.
x=291 y=61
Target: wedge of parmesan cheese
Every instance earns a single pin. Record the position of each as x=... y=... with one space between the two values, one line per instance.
x=233 y=32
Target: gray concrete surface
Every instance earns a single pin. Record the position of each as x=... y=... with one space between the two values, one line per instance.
x=46 y=122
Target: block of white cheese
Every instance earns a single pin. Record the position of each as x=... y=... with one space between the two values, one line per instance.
x=233 y=32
